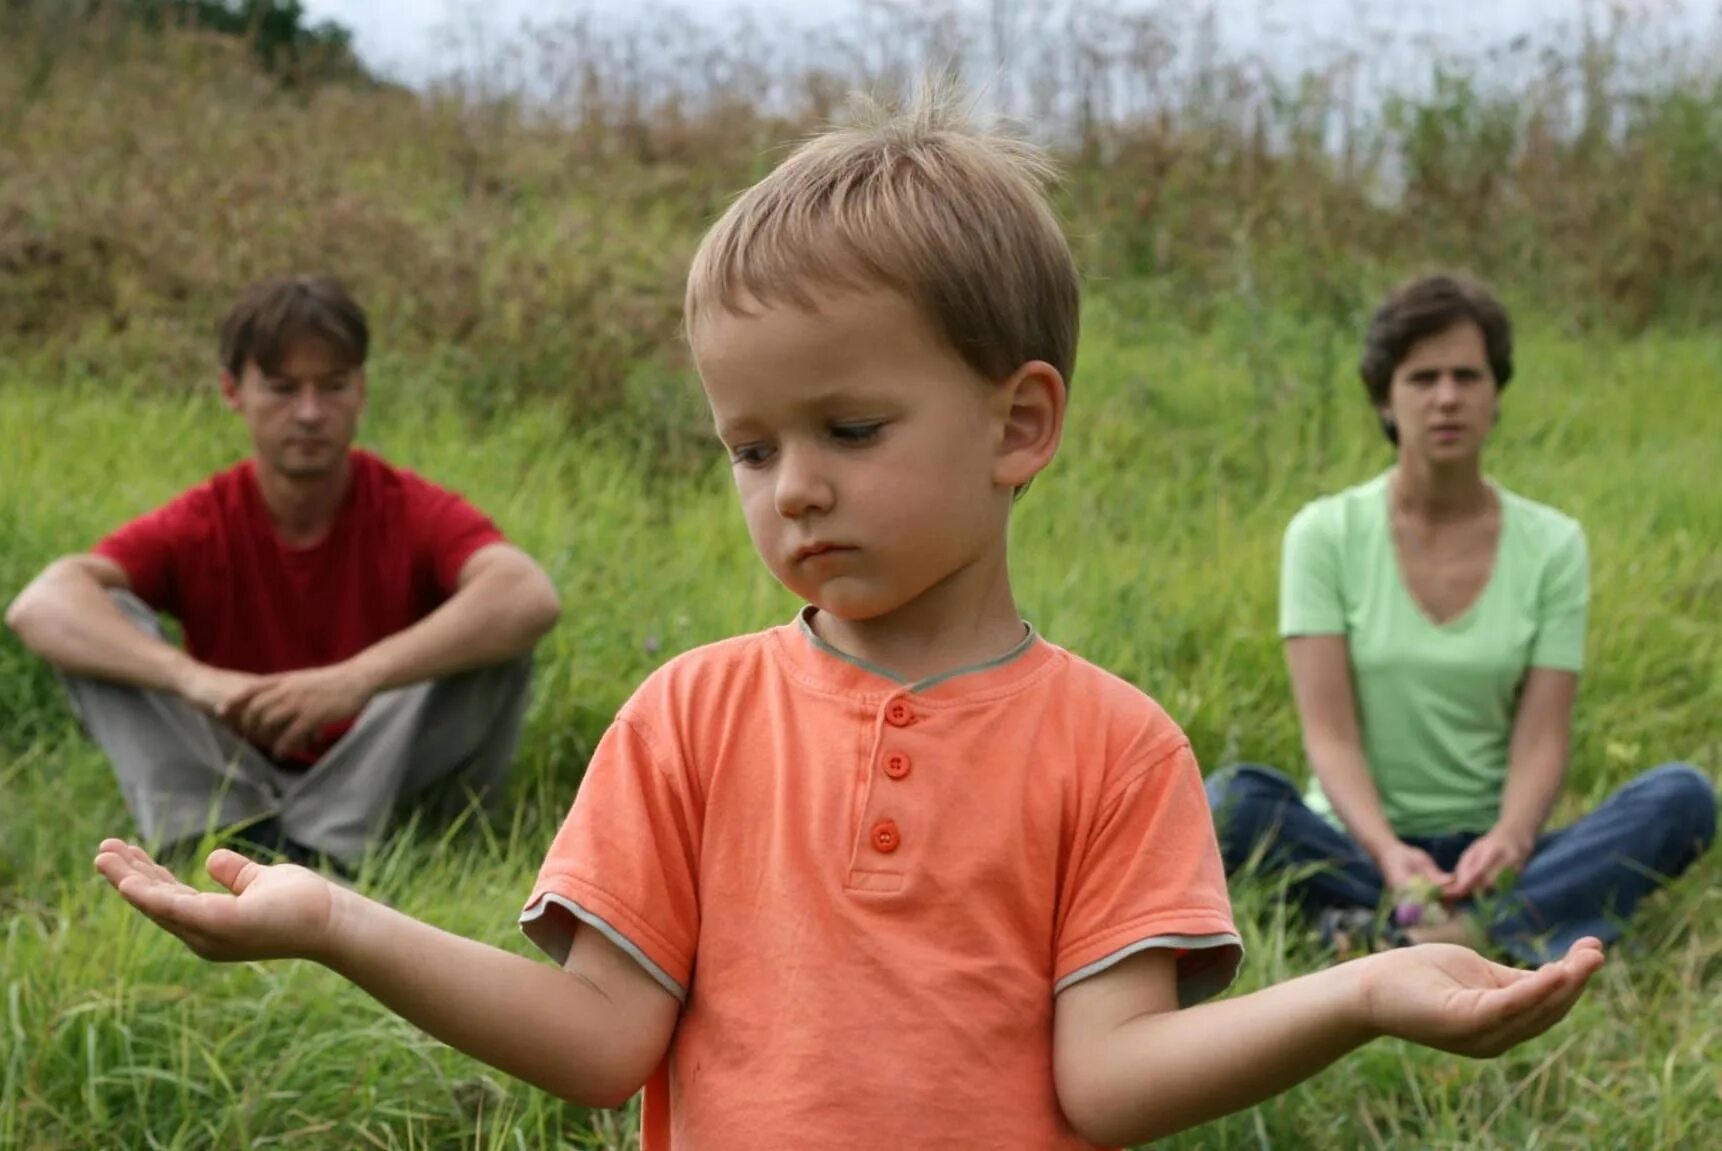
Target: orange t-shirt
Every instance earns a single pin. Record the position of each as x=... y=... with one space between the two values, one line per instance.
x=867 y=893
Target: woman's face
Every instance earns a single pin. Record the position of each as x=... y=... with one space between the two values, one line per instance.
x=1443 y=396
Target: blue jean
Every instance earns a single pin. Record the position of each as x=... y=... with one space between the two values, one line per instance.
x=1584 y=879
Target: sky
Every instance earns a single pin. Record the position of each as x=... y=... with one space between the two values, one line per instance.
x=401 y=38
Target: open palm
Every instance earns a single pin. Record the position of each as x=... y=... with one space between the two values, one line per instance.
x=275 y=912
x=1453 y=999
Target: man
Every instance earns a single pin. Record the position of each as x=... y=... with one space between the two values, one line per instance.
x=354 y=635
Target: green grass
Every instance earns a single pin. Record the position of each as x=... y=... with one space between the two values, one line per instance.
x=1151 y=547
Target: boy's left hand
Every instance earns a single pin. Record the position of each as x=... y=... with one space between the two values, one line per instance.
x=1453 y=999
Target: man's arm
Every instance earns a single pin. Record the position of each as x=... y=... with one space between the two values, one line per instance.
x=590 y=1032
x=65 y=616
x=1131 y=1068
x=503 y=604
x=1327 y=709
x=1536 y=767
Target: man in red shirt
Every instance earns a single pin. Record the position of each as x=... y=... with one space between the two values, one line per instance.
x=354 y=635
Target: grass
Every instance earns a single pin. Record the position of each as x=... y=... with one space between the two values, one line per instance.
x=1151 y=547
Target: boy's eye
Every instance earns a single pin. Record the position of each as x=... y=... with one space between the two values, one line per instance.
x=856 y=433
x=750 y=455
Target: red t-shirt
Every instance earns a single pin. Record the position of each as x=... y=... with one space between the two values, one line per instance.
x=246 y=601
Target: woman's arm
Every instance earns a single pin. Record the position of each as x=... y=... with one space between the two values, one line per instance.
x=1536 y=767
x=1327 y=708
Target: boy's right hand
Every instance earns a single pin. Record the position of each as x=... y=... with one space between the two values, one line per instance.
x=278 y=912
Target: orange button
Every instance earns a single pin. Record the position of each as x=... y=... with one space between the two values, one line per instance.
x=886 y=837
x=899 y=714
x=896 y=765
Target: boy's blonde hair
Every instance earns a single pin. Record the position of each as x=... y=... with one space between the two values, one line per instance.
x=921 y=202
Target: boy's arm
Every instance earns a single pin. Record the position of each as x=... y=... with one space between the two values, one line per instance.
x=1131 y=1068
x=591 y=1032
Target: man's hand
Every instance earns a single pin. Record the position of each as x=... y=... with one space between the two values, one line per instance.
x=1452 y=999
x=285 y=712
x=1483 y=862
x=278 y=912
x=1401 y=863
x=213 y=690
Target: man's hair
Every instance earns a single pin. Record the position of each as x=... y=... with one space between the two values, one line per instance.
x=1427 y=307
x=271 y=315
x=921 y=202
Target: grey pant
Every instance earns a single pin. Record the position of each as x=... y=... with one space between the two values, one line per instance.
x=183 y=772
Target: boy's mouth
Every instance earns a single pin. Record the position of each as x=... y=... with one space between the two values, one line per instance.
x=818 y=548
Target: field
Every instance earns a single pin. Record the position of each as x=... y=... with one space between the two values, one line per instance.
x=1151 y=547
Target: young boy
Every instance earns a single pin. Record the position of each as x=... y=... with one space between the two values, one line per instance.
x=900 y=872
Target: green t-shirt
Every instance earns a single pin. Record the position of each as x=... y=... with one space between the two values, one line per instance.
x=1435 y=703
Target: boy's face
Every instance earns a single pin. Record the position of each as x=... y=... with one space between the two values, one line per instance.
x=872 y=462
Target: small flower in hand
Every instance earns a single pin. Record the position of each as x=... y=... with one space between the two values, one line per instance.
x=1408 y=913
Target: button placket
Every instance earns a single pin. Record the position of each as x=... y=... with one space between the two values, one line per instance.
x=879 y=833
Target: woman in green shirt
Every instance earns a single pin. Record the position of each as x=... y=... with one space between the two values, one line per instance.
x=1434 y=626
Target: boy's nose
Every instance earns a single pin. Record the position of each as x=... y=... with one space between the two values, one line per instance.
x=801 y=488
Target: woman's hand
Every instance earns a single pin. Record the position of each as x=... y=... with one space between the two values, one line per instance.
x=1401 y=864
x=1483 y=862
x=276 y=912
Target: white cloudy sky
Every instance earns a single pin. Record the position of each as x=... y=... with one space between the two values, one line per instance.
x=400 y=37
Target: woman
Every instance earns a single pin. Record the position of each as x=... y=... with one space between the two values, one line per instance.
x=1434 y=626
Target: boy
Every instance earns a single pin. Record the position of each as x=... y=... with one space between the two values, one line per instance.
x=901 y=872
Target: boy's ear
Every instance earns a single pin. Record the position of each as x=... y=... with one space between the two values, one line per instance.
x=1032 y=410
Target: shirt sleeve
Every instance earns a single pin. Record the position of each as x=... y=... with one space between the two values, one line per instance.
x=1563 y=603
x=1311 y=602
x=447 y=531
x=1148 y=875
x=624 y=861
x=147 y=549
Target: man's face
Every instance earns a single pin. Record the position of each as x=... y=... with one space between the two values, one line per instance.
x=304 y=414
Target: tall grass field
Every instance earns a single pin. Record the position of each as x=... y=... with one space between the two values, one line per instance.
x=523 y=274
x=1151 y=547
